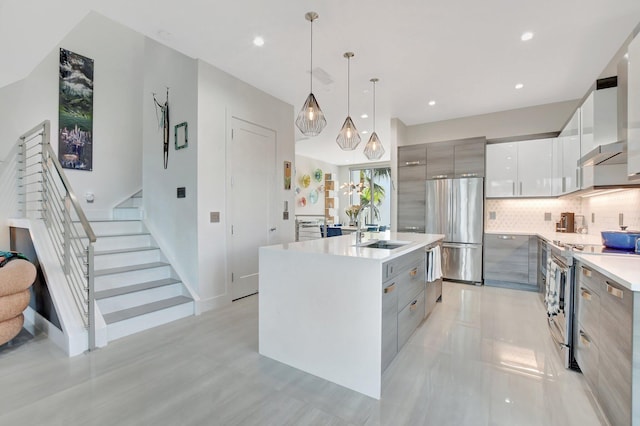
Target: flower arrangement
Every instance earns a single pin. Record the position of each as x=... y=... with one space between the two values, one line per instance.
x=352 y=211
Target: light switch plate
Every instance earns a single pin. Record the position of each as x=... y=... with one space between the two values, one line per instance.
x=285 y=215
x=214 y=217
x=547 y=216
x=492 y=215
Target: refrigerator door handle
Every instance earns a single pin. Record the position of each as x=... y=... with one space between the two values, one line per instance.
x=465 y=246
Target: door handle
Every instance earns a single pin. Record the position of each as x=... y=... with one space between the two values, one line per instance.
x=513 y=188
x=615 y=292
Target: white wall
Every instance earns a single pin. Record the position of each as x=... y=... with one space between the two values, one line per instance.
x=117 y=54
x=171 y=220
x=306 y=166
x=517 y=122
x=221 y=97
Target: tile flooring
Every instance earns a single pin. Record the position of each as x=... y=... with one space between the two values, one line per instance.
x=484 y=357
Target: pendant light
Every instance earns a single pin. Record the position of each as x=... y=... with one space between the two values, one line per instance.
x=374 y=150
x=311 y=119
x=348 y=138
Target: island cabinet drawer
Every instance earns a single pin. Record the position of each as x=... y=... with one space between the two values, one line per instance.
x=586 y=353
x=409 y=318
x=410 y=282
x=592 y=280
x=588 y=310
x=395 y=266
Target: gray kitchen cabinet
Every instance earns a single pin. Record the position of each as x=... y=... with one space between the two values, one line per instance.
x=412 y=173
x=511 y=261
x=633 y=109
x=469 y=158
x=404 y=300
x=603 y=336
x=440 y=160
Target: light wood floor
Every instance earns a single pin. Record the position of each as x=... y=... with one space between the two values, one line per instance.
x=484 y=357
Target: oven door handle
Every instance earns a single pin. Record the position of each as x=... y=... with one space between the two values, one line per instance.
x=555 y=325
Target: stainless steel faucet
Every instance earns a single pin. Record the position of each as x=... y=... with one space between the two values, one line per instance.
x=359 y=224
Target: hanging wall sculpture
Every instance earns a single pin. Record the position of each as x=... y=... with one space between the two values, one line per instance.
x=75 y=111
x=162 y=113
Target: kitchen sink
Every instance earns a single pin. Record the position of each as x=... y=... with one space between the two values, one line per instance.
x=383 y=244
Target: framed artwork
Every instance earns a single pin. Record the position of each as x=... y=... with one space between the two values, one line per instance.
x=75 y=111
x=287 y=175
x=181 y=135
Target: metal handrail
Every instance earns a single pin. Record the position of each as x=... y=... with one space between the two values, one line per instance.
x=57 y=204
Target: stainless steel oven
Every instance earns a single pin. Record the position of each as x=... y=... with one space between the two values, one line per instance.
x=560 y=317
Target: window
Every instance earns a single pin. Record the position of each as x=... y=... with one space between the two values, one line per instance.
x=360 y=184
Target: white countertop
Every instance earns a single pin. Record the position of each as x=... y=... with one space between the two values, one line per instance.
x=624 y=269
x=345 y=245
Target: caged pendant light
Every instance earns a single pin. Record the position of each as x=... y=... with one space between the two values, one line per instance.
x=348 y=138
x=373 y=149
x=311 y=119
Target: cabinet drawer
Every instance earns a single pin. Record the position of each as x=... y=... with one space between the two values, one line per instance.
x=586 y=353
x=588 y=310
x=410 y=282
x=616 y=304
x=394 y=267
x=409 y=318
x=591 y=279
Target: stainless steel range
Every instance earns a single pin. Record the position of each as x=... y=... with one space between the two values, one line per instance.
x=559 y=300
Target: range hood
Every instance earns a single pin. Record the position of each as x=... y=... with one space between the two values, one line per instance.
x=612 y=153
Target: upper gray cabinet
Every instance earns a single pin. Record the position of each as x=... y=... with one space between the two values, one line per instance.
x=412 y=174
x=460 y=158
x=412 y=155
x=633 y=105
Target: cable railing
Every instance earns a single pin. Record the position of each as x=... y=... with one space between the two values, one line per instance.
x=45 y=193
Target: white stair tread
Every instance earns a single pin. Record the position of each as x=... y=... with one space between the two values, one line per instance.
x=130 y=268
x=135 y=287
x=128 y=250
x=145 y=309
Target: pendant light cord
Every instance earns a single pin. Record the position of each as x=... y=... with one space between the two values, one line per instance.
x=348 y=86
x=311 y=61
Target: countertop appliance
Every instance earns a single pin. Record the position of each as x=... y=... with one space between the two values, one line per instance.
x=455 y=208
x=567 y=222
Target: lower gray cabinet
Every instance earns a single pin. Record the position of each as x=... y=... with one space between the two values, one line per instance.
x=510 y=259
x=603 y=337
x=389 y=322
x=409 y=318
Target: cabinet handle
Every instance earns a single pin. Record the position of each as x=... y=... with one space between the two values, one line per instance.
x=411 y=163
x=413 y=272
x=584 y=339
x=390 y=289
x=513 y=188
x=564 y=183
x=586 y=272
x=439 y=177
x=615 y=292
x=586 y=294
x=469 y=175
x=413 y=306
x=578 y=185
x=520 y=188
x=506 y=237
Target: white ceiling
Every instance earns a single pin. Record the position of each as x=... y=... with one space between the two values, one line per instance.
x=464 y=54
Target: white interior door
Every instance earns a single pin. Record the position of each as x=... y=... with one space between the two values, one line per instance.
x=251 y=183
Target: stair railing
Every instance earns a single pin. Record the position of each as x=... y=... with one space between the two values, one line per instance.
x=45 y=193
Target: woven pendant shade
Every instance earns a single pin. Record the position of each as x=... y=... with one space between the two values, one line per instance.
x=311 y=119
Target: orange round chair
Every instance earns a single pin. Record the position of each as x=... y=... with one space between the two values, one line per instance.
x=15 y=279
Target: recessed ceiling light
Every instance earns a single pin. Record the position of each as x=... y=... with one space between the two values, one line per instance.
x=626 y=56
x=432 y=103
x=258 y=41
x=364 y=116
x=526 y=36
x=364 y=132
x=519 y=86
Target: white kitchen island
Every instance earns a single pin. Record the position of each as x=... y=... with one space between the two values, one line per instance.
x=321 y=304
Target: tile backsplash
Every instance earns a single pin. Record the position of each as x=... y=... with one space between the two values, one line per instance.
x=529 y=214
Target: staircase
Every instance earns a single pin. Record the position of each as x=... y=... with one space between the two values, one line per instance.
x=135 y=286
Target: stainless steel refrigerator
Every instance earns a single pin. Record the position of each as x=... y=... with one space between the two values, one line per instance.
x=455 y=208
